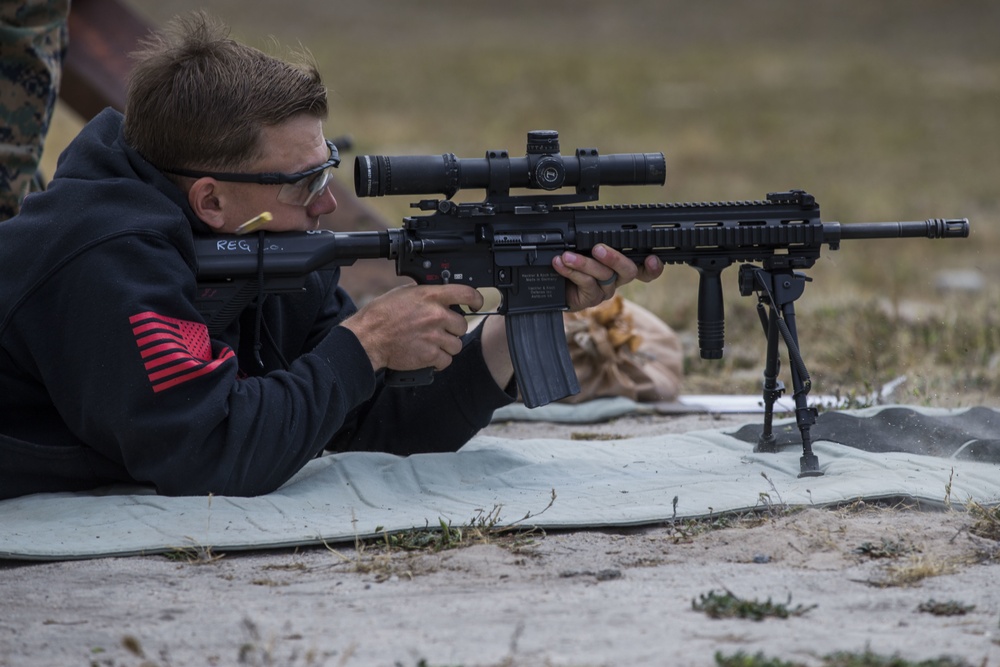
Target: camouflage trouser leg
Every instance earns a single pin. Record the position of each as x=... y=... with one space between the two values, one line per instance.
x=33 y=38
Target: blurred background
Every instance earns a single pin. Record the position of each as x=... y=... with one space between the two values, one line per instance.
x=883 y=110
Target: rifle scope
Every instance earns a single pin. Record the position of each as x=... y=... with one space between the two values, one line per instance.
x=542 y=168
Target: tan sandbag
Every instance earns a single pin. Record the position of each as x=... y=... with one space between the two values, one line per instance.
x=619 y=348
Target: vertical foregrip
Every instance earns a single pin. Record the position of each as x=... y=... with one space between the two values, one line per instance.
x=711 y=314
x=542 y=365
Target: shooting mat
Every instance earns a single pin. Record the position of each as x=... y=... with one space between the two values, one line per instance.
x=876 y=453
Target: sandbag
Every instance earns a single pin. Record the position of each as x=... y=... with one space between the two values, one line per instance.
x=619 y=348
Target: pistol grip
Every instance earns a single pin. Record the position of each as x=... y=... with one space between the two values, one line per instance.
x=415 y=378
x=542 y=365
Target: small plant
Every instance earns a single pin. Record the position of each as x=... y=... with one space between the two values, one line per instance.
x=986 y=521
x=376 y=555
x=913 y=571
x=887 y=549
x=727 y=605
x=768 y=504
x=483 y=527
x=741 y=659
x=194 y=555
x=950 y=608
x=685 y=530
x=869 y=659
x=444 y=536
x=947 y=489
x=840 y=659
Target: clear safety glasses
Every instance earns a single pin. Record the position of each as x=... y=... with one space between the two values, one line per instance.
x=299 y=189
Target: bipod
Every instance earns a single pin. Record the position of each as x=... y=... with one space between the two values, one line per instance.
x=777 y=289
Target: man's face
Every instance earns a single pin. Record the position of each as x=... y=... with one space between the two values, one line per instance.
x=295 y=146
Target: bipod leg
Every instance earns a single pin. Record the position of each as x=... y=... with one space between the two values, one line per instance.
x=773 y=387
x=805 y=416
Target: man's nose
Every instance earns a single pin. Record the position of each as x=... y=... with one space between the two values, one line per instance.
x=325 y=203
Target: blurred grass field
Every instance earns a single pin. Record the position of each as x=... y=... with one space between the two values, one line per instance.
x=883 y=110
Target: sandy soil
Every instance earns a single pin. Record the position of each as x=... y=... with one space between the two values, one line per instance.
x=574 y=598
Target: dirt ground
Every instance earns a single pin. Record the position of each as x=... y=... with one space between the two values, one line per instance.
x=892 y=580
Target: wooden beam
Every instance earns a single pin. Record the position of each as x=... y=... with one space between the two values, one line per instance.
x=101 y=35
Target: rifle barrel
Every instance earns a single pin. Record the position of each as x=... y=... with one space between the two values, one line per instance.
x=934 y=228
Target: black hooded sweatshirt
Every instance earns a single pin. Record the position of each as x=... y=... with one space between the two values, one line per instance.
x=108 y=374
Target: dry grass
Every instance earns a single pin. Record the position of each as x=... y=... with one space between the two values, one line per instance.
x=985 y=521
x=914 y=570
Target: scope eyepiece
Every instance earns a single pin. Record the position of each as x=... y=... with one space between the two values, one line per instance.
x=542 y=168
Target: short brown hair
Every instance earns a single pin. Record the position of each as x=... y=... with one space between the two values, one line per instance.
x=197 y=98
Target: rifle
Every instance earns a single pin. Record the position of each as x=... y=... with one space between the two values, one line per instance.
x=507 y=242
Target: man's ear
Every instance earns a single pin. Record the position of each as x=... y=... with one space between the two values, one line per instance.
x=203 y=196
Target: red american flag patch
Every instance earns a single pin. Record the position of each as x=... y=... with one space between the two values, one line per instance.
x=174 y=351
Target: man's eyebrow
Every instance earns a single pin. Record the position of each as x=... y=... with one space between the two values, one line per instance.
x=313 y=165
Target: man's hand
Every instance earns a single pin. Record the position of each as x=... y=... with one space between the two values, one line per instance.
x=413 y=326
x=595 y=279
x=591 y=281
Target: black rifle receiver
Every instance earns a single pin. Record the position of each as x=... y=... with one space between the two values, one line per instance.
x=508 y=242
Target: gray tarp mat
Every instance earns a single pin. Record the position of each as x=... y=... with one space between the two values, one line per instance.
x=972 y=434
x=628 y=482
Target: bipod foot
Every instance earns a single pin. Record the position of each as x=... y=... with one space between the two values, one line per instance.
x=809 y=466
x=766 y=444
